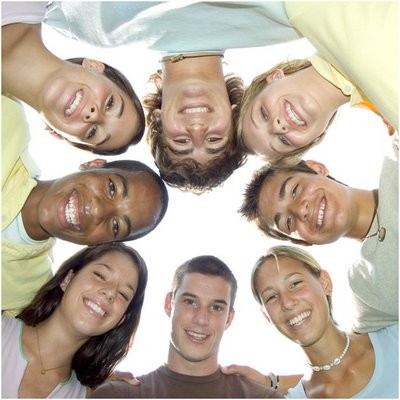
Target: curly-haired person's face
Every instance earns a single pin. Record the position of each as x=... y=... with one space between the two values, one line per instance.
x=196 y=121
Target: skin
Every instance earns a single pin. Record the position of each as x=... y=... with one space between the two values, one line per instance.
x=110 y=282
x=295 y=301
x=102 y=116
x=199 y=316
x=314 y=208
x=196 y=113
x=107 y=204
x=290 y=112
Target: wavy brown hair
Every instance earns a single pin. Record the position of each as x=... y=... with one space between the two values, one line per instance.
x=188 y=174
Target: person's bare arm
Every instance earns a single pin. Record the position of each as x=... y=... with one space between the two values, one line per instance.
x=285 y=381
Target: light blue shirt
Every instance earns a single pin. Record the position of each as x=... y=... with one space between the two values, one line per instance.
x=174 y=26
x=384 y=381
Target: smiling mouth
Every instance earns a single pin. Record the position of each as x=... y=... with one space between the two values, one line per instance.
x=95 y=308
x=194 y=110
x=295 y=118
x=197 y=336
x=75 y=103
x=71 y=211
x=321 y=214
x=298 y=320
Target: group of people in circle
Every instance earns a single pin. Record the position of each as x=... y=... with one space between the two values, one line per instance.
x=64 y=334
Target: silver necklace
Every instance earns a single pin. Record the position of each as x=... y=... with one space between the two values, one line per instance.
x=180 y=57
x=336 y=361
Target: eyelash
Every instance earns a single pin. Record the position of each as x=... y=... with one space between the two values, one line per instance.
x=284 y=141
x=110 y=103
x=264 y=114
x=91 y=132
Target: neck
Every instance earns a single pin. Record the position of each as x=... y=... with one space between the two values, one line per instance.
x=26 y=63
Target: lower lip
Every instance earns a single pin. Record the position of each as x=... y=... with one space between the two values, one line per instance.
x=92 y=312
x=197 y=341
x=290 y=122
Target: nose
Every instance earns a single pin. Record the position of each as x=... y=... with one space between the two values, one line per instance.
x=108 y=292
x=97 y=210
x=280 y=125
x=288 y=302
x=197 y=132
x=201 y=316
x=301 y=209
x=91 y=114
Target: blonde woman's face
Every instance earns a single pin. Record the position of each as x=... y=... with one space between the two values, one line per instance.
x=283 y=117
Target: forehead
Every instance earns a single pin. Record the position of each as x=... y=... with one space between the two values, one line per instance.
x=209 y=287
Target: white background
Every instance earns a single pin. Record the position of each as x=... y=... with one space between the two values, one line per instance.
x=209 y=224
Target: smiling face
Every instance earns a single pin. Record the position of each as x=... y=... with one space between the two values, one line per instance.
x=294 y=299
x=286 y=115
x=196 y=121
x=85 y=106
x=97 y=297
x=100 y=206
x=199 y=315
x=308 y=207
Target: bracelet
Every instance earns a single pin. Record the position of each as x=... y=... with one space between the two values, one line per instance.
x=274 y=379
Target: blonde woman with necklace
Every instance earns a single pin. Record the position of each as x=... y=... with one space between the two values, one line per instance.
x=295 y=295
x=77 y=328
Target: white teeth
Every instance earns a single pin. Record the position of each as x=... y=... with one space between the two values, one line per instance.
x=71 y=213
x=196 y=110
x=197 y=336
x=321 y=214
x=75 y=103
x=299 y=319
x=96 y=308
x=293 y=116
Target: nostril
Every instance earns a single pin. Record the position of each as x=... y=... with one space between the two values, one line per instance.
x=92 y=109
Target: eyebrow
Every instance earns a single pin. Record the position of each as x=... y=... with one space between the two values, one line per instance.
x=188 y=294
x=125 y=187
x=111 y=270
x=282 y=193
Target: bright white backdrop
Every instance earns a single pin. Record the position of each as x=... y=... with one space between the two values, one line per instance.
x=209 y=224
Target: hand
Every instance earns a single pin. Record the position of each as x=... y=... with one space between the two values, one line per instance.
x=248 y=372
x=97 y=163
x=124 y=376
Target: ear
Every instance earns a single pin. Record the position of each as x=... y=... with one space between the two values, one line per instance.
x=157 y=113
x=264 y=312
x=67 y=280
x=318 y=167
x=230 y=318
x=97 y=163
x=326 y=282
x=168 y=304
x=93 y=65
x=275 y=75
x=53 y=132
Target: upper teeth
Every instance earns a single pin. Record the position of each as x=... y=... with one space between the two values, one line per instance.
x=198 y=336
x=321 y=214
x=299 y=319
x=71 y=213
x=95 y=307
x=196 y=110
x=293 y=116
x=75 y=103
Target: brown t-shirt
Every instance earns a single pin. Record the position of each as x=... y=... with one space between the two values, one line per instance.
x=164 y=383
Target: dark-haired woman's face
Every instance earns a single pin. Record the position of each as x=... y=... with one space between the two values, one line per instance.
x=83 y=105
x=97 y=297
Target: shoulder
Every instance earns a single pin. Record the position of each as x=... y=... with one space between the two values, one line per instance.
x=115 y=389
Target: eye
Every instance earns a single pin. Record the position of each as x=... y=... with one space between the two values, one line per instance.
x=295 y=283
x=284 y=140
x=264 y=114
x=92 y=132
x=124 y=296
x=111 y=188
x=115 y=227
x=213 y=139
x=110 y=103
x=294 y=191
x=182 y=140
x=217 y=308
x=269 y=298
x=99 y=275
x=189 y=302
x=289 y=222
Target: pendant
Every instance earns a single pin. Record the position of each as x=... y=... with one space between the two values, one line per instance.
x=381 y=234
